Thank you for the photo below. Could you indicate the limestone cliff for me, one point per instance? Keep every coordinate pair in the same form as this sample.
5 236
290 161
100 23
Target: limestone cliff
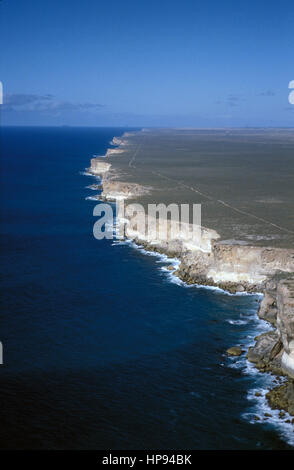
99 167
285 323
116 190
235 267
205 258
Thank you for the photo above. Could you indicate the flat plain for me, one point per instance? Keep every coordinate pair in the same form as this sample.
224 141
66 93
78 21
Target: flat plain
243 178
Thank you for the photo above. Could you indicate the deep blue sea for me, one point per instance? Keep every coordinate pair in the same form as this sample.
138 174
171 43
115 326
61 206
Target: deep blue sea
103 349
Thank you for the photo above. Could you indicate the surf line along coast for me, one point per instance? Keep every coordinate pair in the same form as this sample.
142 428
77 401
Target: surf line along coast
212 260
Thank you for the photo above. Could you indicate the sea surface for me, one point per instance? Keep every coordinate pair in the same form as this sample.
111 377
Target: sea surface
103 347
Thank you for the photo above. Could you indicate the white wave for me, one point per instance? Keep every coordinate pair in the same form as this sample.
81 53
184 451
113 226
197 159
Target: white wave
87 173
91 187
267 416
91 198
176 280
238 322
165 259
263 383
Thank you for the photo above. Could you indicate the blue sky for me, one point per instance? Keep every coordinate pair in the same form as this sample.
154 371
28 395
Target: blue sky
147 63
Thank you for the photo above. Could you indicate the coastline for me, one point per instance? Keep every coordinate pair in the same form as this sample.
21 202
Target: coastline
232 268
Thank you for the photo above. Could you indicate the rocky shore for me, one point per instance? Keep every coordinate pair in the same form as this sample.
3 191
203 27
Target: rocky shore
273 351
229 266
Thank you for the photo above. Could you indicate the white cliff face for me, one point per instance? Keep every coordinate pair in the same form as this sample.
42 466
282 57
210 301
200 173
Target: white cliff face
253 265
99 167
117 190
170 235
120 141
233 263
111 152
285 322
234 277
288 363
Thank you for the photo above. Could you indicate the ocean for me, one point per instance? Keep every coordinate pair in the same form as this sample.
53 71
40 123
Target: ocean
103 348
